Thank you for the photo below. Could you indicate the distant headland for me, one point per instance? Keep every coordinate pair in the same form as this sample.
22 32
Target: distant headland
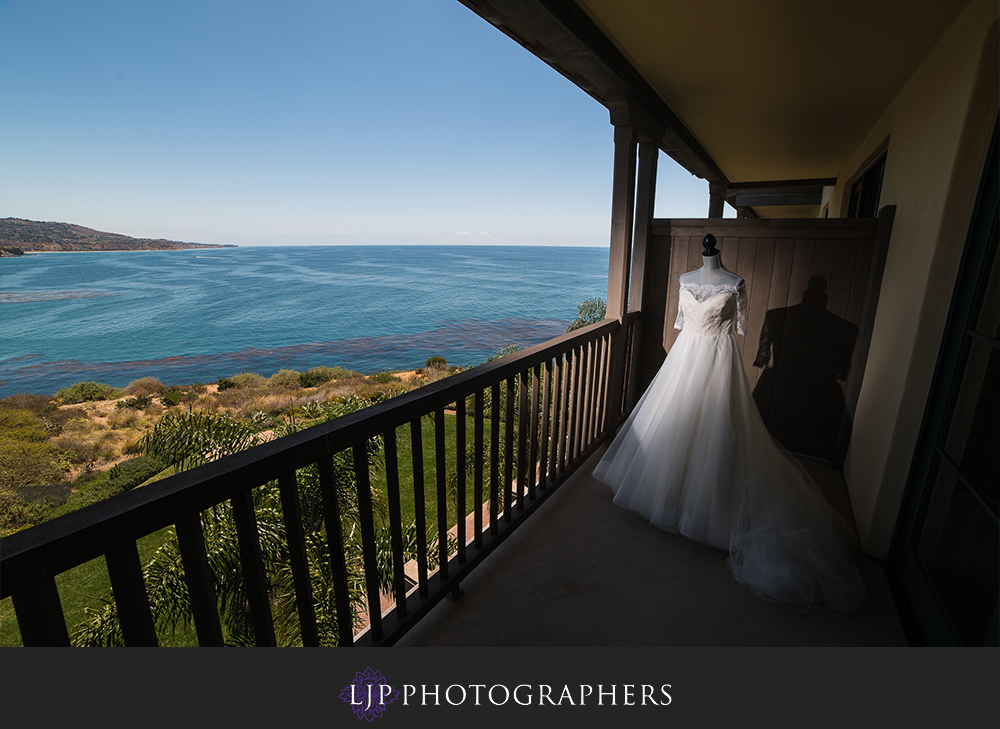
18 236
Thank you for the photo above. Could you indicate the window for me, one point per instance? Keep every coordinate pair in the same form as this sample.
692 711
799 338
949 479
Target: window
866 190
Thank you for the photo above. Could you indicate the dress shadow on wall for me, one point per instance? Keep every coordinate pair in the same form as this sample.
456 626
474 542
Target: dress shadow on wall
805 353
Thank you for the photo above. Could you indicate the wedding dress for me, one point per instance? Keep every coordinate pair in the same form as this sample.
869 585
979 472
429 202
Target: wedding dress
695 457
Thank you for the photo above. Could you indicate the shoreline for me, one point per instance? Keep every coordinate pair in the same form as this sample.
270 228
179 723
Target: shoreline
465 343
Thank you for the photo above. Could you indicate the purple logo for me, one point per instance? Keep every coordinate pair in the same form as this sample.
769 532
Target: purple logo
369 694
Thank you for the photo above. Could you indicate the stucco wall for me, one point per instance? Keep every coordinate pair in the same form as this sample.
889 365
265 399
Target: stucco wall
938 129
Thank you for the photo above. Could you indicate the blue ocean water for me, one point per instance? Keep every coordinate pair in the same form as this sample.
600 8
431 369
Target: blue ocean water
198 315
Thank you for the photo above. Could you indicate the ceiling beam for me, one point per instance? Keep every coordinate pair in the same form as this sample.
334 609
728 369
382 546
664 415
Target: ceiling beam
739 198
766 184
563 35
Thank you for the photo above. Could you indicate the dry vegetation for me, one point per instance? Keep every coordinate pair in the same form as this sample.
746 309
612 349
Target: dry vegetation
51 447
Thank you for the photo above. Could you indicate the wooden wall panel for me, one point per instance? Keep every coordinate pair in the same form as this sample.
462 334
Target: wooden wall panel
806 284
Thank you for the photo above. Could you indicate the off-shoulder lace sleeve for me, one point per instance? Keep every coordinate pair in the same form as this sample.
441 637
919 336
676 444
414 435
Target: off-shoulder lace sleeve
741 308
679 321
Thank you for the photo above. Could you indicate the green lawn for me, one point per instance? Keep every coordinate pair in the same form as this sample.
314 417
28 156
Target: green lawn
404 448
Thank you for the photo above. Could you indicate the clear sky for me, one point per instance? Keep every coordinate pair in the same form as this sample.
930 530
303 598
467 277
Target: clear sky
301 122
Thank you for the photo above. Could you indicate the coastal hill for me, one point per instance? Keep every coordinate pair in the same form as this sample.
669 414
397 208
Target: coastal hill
18 236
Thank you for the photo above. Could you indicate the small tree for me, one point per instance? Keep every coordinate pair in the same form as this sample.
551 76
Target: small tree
589 312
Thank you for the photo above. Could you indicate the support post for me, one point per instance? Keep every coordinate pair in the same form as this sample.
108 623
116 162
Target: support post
716 198
640 283
622 216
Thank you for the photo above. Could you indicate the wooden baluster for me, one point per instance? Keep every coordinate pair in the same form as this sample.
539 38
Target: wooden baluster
335 545
419 503
567 371
509 452
477 467
494 456
587 391
198 576
40 615
442 493
533 455
367 520
256 586
395 521
546 420
129 590
522 455
460 448
291 511
574 441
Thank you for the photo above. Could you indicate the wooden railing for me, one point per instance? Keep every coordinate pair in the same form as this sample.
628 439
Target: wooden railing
556 398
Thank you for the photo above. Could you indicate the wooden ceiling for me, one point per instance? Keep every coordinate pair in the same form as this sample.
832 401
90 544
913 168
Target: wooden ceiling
770 90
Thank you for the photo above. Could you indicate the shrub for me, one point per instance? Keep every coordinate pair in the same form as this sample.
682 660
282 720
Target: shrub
36 404
383 378
316 376
118 479
284 378
129 474
144 386
226 384
171 398
88 392
589 312
436 361
62 416
17 514
139 402
26 463
21 425
79 450
248 380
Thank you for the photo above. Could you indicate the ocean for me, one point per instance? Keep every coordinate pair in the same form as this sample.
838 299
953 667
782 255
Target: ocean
198 315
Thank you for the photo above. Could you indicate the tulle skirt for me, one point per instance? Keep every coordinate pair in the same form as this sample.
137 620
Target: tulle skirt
695 458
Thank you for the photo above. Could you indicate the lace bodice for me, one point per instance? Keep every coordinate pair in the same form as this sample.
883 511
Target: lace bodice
712 309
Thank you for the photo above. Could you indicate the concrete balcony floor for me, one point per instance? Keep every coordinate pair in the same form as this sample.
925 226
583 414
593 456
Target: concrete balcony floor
583 572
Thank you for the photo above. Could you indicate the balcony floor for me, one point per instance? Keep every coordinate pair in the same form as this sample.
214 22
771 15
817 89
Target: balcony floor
582 572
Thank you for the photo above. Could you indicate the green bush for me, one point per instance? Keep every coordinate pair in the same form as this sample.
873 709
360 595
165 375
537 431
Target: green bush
436 361
87 392
139 402
248 380
171 398
316 376
26 463
284 378
129 474
589 312
383 378
225 383
21 425
144 386
17 514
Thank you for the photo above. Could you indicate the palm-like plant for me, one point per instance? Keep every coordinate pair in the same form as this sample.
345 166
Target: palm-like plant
191 439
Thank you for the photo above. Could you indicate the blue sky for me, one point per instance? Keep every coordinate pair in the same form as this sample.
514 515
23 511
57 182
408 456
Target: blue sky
301 122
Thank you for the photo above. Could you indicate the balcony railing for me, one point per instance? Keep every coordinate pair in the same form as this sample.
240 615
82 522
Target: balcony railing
564 396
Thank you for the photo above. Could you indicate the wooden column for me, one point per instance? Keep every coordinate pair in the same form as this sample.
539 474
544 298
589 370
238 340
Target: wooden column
622 215
640 283
716 198
622 208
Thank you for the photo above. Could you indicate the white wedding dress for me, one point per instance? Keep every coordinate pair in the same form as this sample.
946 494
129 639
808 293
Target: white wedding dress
694 457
